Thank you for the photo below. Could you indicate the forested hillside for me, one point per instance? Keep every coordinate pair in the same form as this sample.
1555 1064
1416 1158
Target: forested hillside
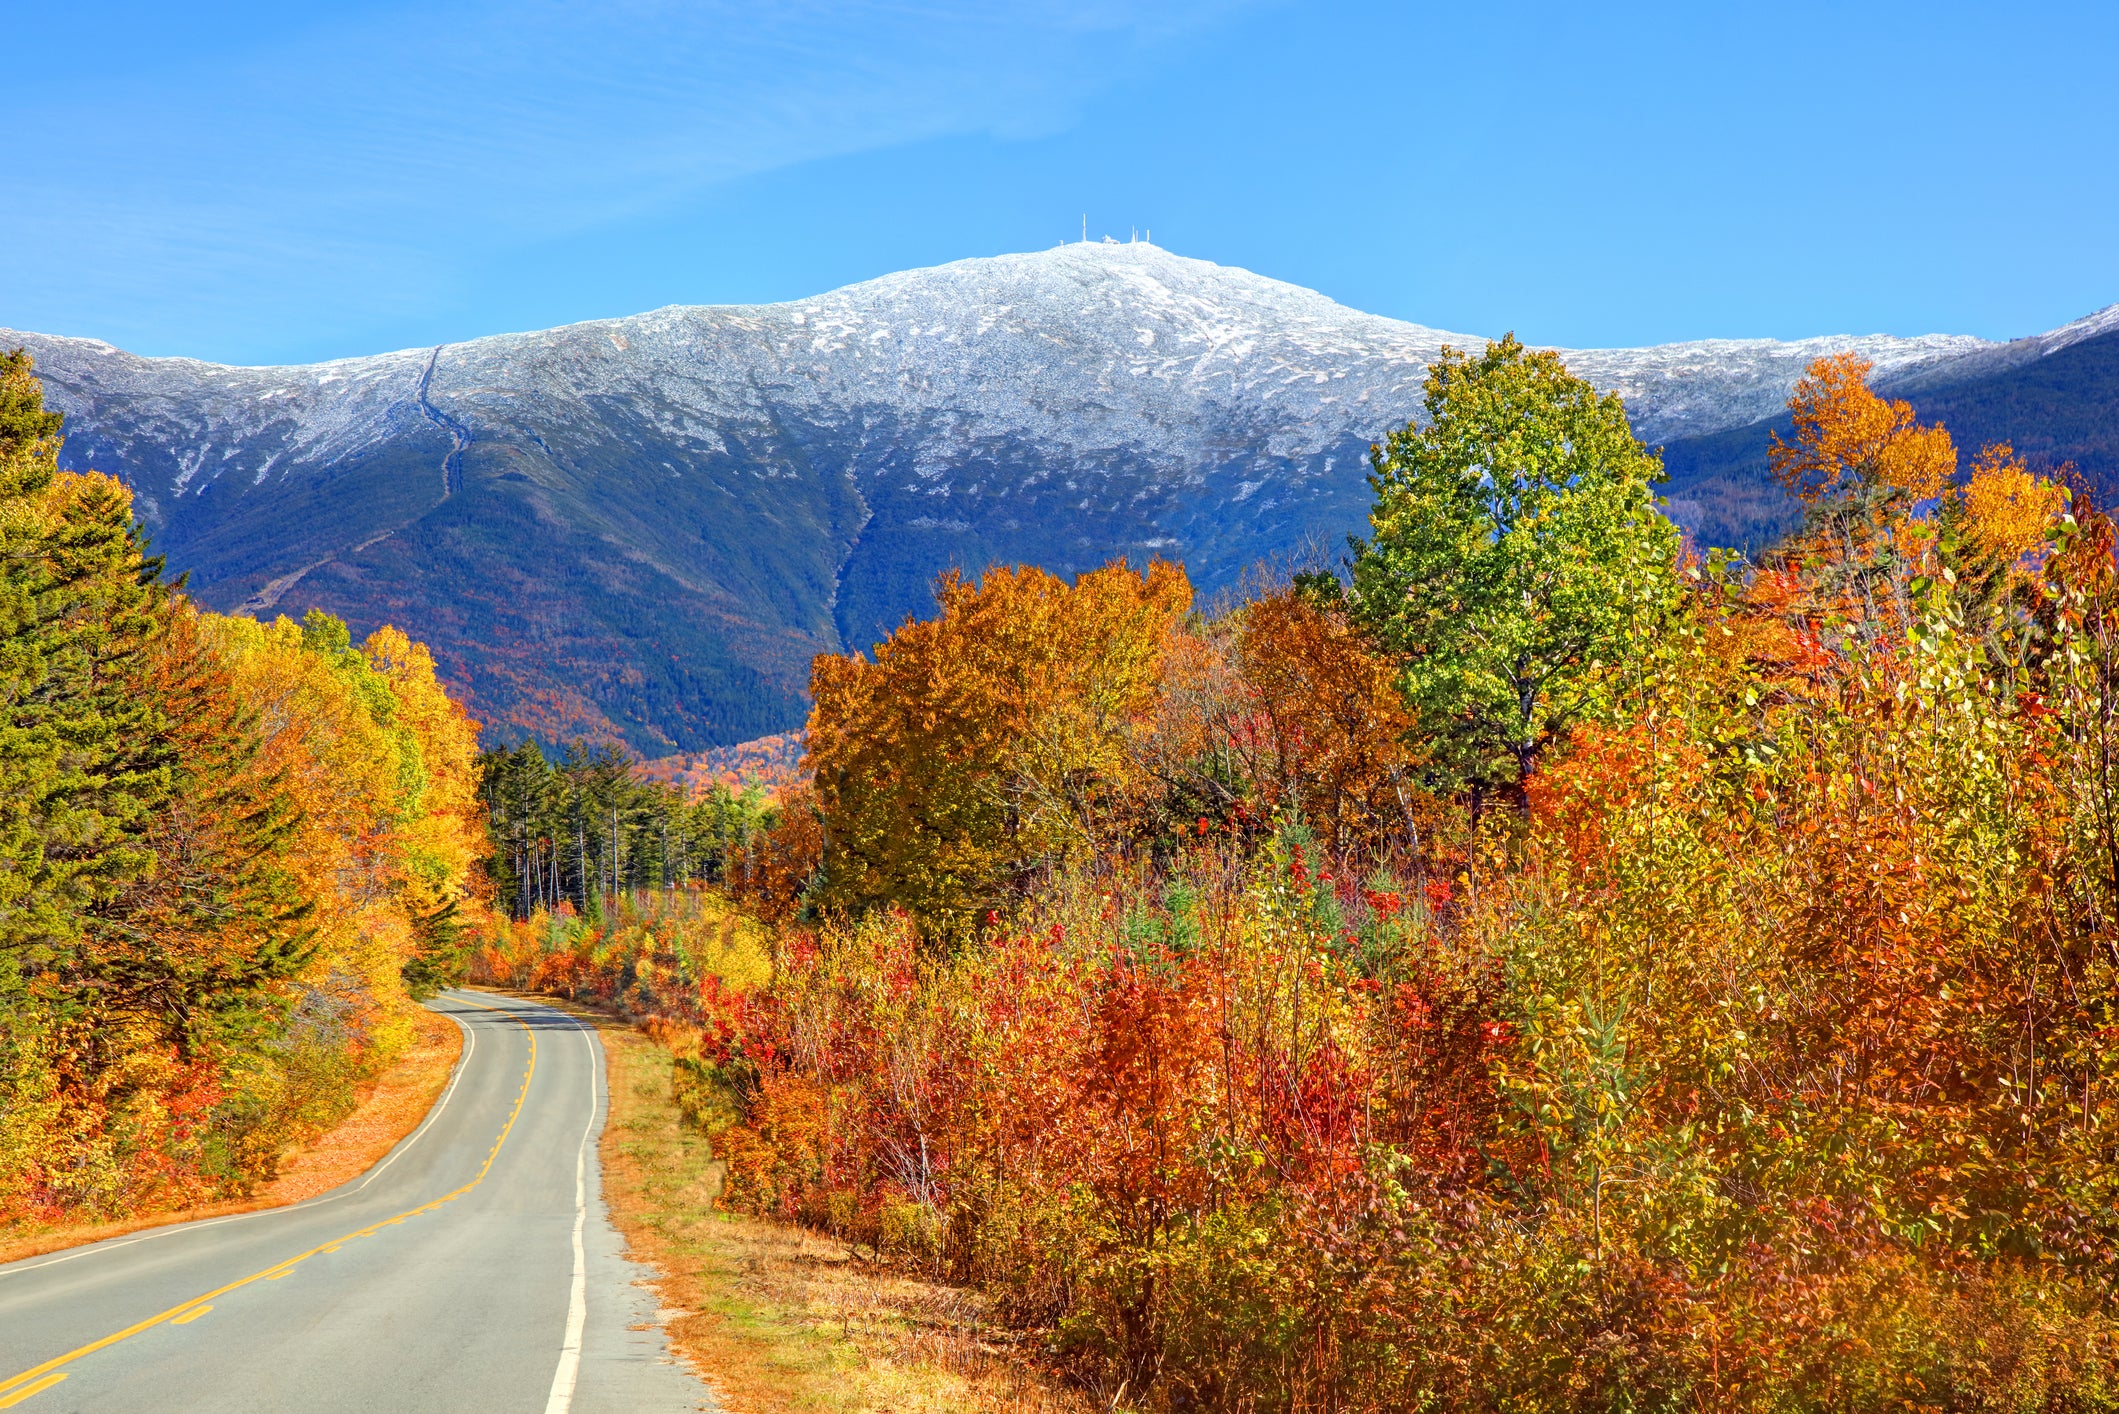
643 529
1547 970
231 855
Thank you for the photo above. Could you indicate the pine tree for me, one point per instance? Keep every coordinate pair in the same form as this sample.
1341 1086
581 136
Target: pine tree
80 760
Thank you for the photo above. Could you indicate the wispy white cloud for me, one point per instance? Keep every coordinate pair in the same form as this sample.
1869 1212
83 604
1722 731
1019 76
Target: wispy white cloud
354 164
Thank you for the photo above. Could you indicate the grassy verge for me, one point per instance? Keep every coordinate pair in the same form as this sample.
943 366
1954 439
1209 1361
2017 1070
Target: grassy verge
390 1107
778 1320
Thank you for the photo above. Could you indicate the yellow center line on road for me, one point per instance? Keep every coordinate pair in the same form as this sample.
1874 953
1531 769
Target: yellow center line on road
9 1401
41 1377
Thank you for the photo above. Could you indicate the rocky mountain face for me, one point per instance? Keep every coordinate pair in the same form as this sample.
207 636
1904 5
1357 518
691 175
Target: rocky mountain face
646 527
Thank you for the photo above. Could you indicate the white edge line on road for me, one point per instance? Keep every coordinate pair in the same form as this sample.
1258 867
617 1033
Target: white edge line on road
561 1399
463 1063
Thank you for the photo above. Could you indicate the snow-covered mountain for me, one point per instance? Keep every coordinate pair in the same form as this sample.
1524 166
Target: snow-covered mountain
1094 349
647 525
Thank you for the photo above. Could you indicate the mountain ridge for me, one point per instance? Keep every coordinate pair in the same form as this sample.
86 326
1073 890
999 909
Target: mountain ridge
643 527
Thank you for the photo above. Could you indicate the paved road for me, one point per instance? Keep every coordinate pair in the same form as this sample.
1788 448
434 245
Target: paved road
473 1269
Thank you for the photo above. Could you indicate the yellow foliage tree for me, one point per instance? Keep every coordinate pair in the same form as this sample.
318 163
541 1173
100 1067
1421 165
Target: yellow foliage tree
382 767
2007 509
989 741
1846 436
440 841
1861 464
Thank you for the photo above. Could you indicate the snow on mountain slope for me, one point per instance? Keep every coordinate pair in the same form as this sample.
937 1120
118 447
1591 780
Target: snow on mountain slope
209 420
1092 348
1687 390
739 487
1992 359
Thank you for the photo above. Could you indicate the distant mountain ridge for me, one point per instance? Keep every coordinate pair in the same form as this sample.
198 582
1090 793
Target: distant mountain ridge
645 527
2054 397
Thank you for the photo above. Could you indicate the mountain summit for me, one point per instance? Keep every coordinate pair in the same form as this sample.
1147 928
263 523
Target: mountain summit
645 527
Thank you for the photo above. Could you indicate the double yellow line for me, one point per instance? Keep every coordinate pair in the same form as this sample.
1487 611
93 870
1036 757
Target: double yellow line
44 1376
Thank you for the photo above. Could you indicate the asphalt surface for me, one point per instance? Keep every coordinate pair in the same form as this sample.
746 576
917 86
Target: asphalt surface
474 1268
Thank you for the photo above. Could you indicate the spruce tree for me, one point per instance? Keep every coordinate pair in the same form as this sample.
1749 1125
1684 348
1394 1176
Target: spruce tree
80 764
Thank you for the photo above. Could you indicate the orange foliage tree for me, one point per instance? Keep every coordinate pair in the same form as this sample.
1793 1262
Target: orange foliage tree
988 742
1859 464
1338 735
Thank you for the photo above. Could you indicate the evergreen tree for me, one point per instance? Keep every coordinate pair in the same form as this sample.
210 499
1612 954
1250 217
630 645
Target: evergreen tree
81 762
575 830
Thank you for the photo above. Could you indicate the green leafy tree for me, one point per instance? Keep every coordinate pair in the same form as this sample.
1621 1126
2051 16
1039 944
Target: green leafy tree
1516 557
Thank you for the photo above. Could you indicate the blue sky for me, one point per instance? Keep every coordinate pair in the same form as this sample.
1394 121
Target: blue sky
272 182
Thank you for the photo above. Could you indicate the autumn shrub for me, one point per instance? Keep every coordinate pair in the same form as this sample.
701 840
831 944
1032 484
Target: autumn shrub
664 956
1242 1135
1759 1058
1624 1132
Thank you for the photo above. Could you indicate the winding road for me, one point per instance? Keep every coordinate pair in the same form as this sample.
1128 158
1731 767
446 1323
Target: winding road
474 1268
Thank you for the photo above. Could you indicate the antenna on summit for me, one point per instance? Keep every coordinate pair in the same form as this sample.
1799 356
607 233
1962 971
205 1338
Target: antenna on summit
1085 228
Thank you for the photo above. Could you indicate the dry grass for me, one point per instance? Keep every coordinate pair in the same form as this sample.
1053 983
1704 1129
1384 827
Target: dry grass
389 1107
782 1321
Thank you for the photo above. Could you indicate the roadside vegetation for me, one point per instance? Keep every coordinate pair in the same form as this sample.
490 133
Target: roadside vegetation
777 1318
1543 967
231 855
391 1103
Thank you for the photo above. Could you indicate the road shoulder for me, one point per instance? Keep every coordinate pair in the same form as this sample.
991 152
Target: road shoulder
775 1319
